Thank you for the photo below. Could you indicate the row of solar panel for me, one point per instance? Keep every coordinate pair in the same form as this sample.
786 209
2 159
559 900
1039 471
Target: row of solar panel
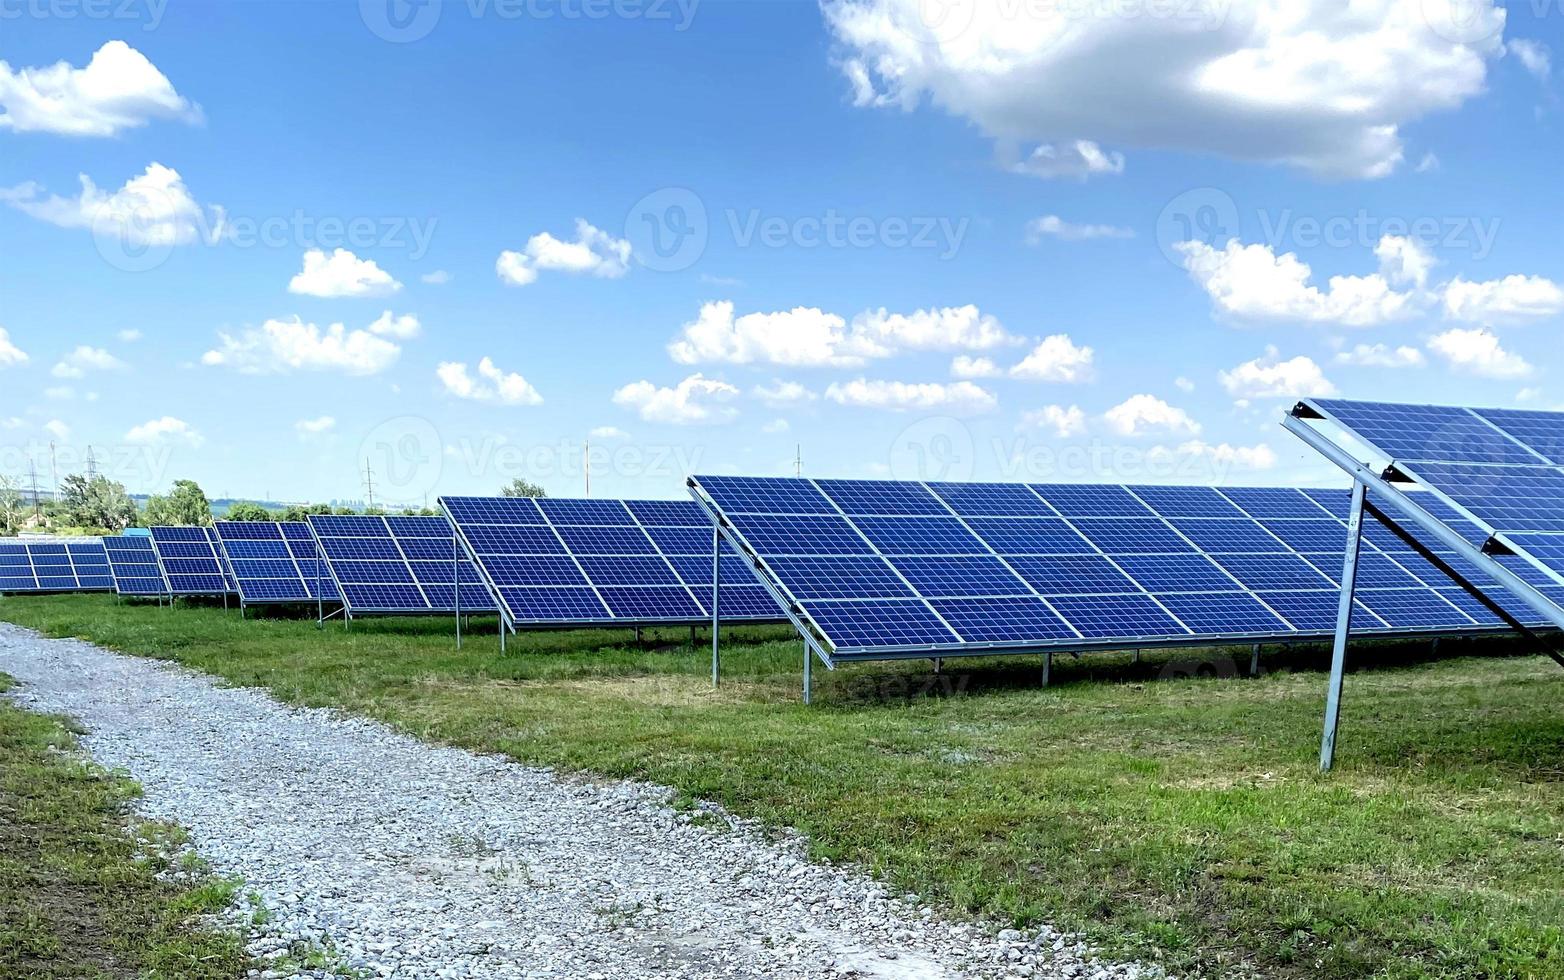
54 566
876 564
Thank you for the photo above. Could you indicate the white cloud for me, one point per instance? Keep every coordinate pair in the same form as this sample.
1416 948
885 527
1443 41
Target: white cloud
60 393
1478 352
314 427
1404 261
58 429
1053 226
810 337
78 362
1428 164
695 400
438 277
1183 384
1079 159
1063 422
1143 414
10 354
964 366
280 346
491 384
164 430
1252 282
961 397
775 426
594 252
129 336
341 274
1227 456
1271 377
609 432
1056 358
1322 87
781 392
404 327
1511 299
1381 355
118 90
153 209
1534 56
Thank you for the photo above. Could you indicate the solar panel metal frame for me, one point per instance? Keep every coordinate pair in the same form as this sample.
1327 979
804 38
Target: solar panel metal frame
152 560
1399 470
217 556
633 521
26 546
830 653
310 584
351 610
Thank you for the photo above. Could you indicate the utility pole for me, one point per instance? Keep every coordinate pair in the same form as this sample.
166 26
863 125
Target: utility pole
54 472
369 486
32 470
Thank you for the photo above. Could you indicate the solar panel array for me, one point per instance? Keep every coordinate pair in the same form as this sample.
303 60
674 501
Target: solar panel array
584 562
57 565
134 566
397 565
192 560
885 566
274 562
1502 468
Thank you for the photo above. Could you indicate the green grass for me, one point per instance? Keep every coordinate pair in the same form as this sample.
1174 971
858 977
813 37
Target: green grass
80 892
1182 819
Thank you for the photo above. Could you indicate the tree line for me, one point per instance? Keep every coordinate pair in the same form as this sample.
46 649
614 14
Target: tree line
99 505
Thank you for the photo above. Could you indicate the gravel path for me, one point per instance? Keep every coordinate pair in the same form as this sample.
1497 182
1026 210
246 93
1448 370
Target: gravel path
414 860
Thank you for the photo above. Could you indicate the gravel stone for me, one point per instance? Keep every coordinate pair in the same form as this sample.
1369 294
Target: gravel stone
411 860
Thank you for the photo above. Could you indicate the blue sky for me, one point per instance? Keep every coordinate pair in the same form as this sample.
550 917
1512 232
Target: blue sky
1090 246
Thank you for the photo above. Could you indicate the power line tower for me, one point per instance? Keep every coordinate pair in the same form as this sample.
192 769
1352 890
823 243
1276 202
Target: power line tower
798 461
586 464
369 486
32 471
92 466
54 472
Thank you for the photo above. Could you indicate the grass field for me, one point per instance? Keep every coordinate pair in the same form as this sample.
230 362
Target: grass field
80 895
1180 818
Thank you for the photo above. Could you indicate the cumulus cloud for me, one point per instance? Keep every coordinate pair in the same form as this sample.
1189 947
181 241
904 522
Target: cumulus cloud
1056 358
129 335
153 209
960 397
1225 456
1508 300
404 327
810 337
1060 420
1270 376
695 400
10 354
593 253
1053 226
1534 56
1323 87
608 432
438 277
318 426
489 384
119 89
282 346
58 429
966 366
1252 282
1382 356
78 362
1478 352
164 430
775 426
1147 414
781 392
341 274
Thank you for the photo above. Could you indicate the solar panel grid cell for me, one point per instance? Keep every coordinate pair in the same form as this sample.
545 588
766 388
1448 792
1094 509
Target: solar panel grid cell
397 565
192 562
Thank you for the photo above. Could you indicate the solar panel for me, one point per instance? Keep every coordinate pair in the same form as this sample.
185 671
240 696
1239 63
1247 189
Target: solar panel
192 560
873 569
390 566
554 561
54 565
274 562
133 565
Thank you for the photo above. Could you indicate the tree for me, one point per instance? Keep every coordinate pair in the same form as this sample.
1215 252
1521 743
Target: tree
186 503
98 502
11 509
522 488
301 512
248 512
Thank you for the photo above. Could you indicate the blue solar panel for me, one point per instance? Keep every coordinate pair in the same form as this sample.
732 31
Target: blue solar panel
1506 498
275 562
1541 432
133 565
590 562
54 565
192 560
397 565
1116 569
1409 433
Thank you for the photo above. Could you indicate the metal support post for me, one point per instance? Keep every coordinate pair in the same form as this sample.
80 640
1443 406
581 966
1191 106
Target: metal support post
716 602
1048 668
1338 663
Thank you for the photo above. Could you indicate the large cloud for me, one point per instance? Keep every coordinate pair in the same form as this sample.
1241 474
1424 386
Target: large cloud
1325 86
